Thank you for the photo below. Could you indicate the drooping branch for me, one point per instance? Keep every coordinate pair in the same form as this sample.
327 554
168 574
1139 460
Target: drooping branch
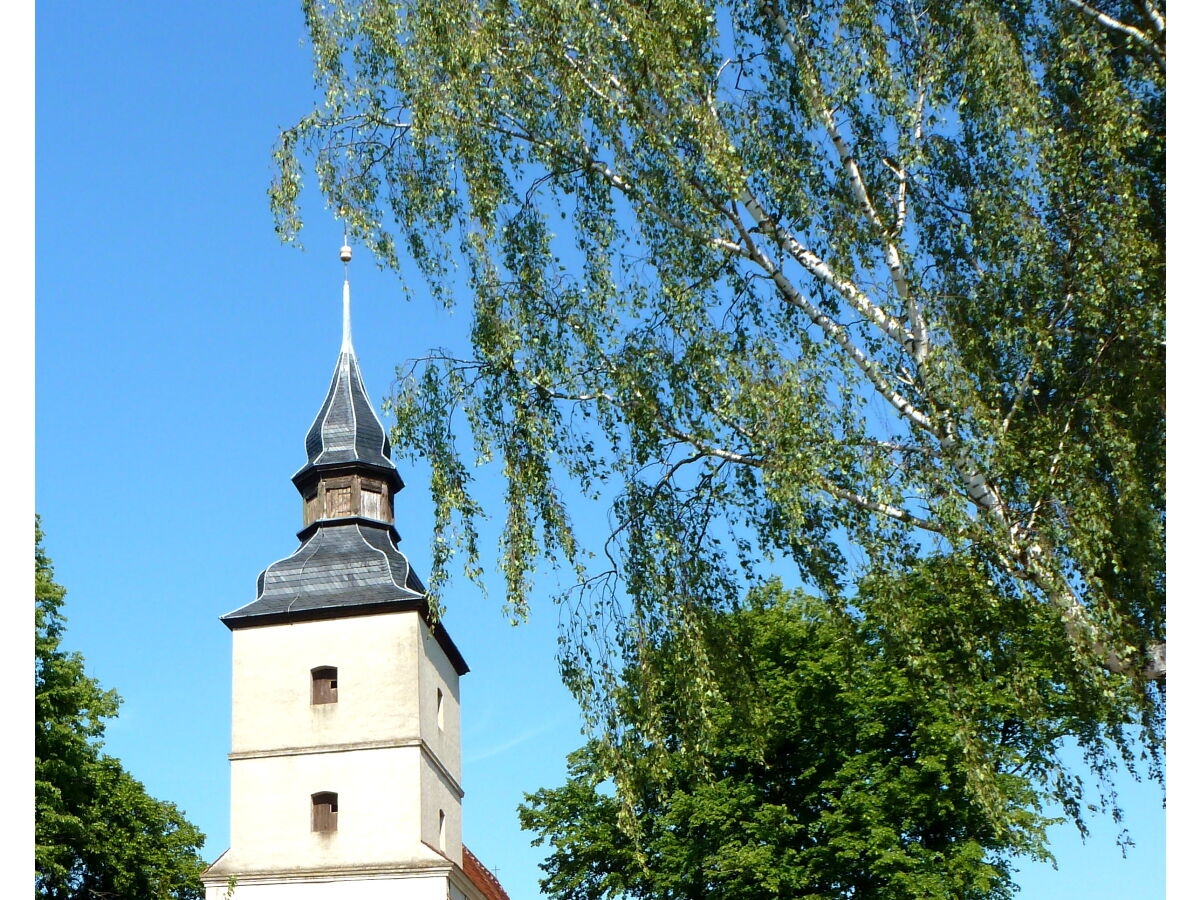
589 159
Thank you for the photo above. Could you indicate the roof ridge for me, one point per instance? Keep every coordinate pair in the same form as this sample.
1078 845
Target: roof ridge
481 876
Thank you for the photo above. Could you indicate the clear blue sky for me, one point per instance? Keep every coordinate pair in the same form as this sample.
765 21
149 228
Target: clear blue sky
181 354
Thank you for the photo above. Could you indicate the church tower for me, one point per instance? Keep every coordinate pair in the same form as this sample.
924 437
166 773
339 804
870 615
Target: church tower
345 770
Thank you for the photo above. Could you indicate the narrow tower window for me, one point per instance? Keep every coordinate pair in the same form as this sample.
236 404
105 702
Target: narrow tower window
441 829
441 715
324 811
324 685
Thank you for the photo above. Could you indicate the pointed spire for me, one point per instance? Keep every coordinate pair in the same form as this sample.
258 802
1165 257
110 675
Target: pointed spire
347 429
346 345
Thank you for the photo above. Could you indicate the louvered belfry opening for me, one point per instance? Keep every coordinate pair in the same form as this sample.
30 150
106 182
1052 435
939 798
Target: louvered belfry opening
324 685
324 811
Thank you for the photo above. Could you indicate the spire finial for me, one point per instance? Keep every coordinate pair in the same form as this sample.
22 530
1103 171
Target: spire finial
345 255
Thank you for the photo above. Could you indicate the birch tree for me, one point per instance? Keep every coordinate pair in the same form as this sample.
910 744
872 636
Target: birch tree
838 286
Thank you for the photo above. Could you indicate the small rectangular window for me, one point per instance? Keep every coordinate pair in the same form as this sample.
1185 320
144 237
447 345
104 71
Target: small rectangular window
324 685
441 715
324 811
441 829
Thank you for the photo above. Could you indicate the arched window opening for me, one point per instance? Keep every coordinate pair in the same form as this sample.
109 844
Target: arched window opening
324 685
324 811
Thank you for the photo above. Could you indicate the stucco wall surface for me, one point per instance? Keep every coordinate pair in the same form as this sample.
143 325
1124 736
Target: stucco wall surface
381 747
378 682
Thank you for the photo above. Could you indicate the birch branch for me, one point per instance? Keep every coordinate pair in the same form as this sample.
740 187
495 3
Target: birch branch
893 447
884 509
1154 14
888 324
875 506
1050 472
574 64
1022 387
980 492
589 160
918 341
707 449
624 186
1081 629
834 331
916 320
1136 33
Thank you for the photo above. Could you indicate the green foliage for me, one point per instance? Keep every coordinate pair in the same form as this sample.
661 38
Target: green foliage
842 782
98 833
838 286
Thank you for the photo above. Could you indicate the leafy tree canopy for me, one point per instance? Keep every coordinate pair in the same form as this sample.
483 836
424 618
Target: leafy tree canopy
839 285
98 833
843 782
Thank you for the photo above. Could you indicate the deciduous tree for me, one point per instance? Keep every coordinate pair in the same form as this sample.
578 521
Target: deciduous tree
842 782
97 833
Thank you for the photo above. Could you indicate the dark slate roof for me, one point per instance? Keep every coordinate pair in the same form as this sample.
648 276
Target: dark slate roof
343 567
346 430
343 564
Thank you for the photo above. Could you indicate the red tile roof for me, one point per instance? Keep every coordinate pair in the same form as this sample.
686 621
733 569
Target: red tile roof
481 877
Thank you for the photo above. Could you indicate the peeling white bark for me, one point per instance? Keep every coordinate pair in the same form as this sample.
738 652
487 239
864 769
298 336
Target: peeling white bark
838 335
884 509
1155 15
1083 631
889 325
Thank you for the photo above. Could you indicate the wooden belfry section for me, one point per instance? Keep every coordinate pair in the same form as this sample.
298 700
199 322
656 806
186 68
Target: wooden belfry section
335 496
349 470
345 767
